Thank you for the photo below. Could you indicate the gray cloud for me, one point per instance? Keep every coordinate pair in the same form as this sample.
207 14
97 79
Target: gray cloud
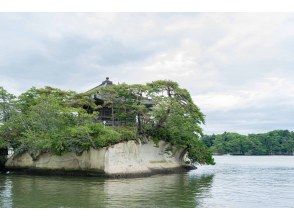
237 66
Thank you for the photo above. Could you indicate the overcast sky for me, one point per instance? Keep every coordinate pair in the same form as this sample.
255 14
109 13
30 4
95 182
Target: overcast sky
238 67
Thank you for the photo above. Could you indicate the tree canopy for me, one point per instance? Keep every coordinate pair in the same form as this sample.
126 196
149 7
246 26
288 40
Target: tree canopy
6 105
173 116
50 119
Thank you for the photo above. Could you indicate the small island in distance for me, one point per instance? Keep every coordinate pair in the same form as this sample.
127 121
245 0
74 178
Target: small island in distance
277 142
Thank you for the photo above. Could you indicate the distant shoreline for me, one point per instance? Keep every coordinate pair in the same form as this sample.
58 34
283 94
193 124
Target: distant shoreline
277 142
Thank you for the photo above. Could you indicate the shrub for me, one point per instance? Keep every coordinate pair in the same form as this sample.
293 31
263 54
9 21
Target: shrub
48 125
53 120
126 133
103 136
78 139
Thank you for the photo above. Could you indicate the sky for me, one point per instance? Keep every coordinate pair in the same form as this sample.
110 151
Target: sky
238 67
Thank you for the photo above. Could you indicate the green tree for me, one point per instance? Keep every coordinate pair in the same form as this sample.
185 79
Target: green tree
278 142
177 119
50 124
7 105
49 119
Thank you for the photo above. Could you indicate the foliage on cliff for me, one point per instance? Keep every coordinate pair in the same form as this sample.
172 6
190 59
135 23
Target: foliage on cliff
53 120
50 119
173 116
278 142
6 105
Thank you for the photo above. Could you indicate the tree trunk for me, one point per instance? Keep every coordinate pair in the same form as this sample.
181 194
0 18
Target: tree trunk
112 115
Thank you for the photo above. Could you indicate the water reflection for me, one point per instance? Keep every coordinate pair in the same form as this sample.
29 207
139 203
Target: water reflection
5 192
157 191
235 181
178 190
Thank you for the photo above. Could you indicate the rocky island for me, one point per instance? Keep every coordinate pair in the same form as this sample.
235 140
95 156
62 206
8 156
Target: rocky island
119 160
114 130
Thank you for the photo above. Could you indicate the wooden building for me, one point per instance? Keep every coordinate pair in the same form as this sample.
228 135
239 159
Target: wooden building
106 115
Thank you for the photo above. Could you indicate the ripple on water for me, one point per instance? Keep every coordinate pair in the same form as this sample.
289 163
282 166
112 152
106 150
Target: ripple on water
235 181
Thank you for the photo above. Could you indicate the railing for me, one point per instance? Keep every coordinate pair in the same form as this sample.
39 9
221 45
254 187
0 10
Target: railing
115 122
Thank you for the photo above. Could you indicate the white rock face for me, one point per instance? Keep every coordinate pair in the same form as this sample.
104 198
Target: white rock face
126 158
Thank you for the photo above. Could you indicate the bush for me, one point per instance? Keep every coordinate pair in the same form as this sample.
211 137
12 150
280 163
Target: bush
78 139
53 120
104 136
48 125
126 133
201 155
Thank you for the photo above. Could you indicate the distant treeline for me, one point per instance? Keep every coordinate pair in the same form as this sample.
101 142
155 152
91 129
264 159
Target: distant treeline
277 142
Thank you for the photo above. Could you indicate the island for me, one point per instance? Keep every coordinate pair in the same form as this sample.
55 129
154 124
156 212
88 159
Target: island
112 129
277 142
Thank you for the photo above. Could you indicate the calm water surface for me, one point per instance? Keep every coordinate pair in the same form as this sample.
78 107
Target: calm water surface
236 181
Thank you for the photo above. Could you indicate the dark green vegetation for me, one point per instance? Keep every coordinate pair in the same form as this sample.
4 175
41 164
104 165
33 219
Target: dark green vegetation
50 119
278 142
53 120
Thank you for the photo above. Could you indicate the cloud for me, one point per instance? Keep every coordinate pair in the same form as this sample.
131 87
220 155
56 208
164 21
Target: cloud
237 66
265 105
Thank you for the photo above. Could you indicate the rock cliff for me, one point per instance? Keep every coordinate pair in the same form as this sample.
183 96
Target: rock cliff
122 159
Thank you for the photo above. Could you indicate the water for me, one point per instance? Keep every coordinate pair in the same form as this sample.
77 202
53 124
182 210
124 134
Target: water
236 181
